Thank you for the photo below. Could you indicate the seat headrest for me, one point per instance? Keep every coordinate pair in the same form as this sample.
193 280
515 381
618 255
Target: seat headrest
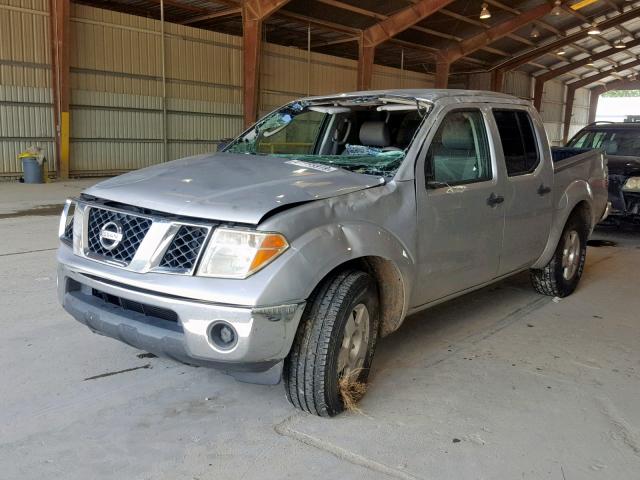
456 134
375 134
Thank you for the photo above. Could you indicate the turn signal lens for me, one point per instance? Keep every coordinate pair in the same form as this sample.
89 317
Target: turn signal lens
233 253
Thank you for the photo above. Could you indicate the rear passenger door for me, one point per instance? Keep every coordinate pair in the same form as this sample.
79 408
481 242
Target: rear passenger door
459 200
528 187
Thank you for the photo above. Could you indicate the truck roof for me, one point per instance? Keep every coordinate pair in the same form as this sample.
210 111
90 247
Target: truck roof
612 125
433 94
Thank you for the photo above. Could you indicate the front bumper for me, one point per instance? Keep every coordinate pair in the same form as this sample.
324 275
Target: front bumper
264 335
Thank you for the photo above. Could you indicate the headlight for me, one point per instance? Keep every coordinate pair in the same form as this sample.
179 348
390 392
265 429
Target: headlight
233 253
632 184
65 227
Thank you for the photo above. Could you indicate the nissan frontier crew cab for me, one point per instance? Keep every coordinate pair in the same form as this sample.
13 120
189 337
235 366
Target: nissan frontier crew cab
319 229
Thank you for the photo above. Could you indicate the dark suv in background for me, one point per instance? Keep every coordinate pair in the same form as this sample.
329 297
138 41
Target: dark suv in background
621 143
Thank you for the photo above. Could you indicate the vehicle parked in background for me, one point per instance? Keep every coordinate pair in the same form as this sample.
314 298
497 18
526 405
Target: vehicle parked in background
621 143
320 228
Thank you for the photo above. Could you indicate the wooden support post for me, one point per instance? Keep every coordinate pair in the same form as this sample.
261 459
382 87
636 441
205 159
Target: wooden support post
497 80
442 74
568 113
388 28
366 56
60 36
254 13
538 92
252 42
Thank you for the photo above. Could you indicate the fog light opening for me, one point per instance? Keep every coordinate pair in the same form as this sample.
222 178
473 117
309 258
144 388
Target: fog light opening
223 336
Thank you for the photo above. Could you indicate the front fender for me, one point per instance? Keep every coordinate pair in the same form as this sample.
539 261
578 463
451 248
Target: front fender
577 191
322 249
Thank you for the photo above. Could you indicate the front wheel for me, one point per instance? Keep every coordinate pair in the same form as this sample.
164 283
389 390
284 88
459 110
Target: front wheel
334 342
560 277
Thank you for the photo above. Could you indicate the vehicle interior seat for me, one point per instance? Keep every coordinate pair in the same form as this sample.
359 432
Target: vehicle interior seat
407 129
455 158
376 134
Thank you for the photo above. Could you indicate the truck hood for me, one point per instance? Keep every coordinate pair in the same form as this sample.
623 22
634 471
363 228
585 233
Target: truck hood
623 165
230 187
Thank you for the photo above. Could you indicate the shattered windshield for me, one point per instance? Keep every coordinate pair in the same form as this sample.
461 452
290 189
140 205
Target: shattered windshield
368 135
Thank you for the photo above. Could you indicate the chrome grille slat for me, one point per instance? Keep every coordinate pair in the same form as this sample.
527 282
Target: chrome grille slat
184 249
147 243
134 229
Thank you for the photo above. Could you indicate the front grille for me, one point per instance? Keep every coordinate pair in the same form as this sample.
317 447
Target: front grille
185 247
134 229
131 306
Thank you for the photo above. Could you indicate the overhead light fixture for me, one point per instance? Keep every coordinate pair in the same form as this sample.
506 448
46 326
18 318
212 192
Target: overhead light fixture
557 8
485 13
619 44
535 33
562 51
594 30
590 63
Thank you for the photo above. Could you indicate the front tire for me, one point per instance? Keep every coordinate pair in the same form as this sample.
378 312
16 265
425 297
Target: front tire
560 277
336 337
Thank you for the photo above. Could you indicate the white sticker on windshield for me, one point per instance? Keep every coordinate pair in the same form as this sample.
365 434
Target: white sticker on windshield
314 166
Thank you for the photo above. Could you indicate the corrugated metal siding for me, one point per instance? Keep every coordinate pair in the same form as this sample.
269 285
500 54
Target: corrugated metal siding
518 84
117 104
26 113
580 116
552 110
288 73
479 81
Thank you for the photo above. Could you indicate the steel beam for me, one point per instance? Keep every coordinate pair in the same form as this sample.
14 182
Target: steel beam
569 39
60 36
496 32
442 74
366 56
254 12
573 86
389 28
229 12
471 44
545 77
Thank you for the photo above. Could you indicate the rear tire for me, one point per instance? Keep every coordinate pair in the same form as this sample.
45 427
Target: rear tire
337 334
560 277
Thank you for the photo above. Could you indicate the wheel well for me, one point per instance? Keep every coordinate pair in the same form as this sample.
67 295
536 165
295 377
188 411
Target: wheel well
583 211
391 291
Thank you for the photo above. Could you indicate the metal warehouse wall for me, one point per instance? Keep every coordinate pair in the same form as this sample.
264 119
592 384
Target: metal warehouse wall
288 73
26 106
117 106
116 78
520 85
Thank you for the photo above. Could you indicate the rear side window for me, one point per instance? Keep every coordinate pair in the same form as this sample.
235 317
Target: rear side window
518 141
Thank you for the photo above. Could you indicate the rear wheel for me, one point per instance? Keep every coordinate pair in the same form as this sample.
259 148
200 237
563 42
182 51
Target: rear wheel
561 275
335 340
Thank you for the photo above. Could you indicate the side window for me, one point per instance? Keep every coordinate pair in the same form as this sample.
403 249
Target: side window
459 151
518 141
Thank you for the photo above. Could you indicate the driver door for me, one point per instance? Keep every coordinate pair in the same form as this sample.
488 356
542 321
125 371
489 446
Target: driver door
460 206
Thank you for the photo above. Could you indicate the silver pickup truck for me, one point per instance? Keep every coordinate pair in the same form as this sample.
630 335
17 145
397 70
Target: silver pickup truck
318 230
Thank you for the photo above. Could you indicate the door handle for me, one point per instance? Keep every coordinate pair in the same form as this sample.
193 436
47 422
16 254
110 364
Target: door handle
494 199
542 190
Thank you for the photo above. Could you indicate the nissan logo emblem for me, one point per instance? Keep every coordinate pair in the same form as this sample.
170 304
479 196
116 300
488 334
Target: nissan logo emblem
110 235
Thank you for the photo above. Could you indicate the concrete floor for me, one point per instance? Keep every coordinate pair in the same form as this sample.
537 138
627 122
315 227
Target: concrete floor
500 384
